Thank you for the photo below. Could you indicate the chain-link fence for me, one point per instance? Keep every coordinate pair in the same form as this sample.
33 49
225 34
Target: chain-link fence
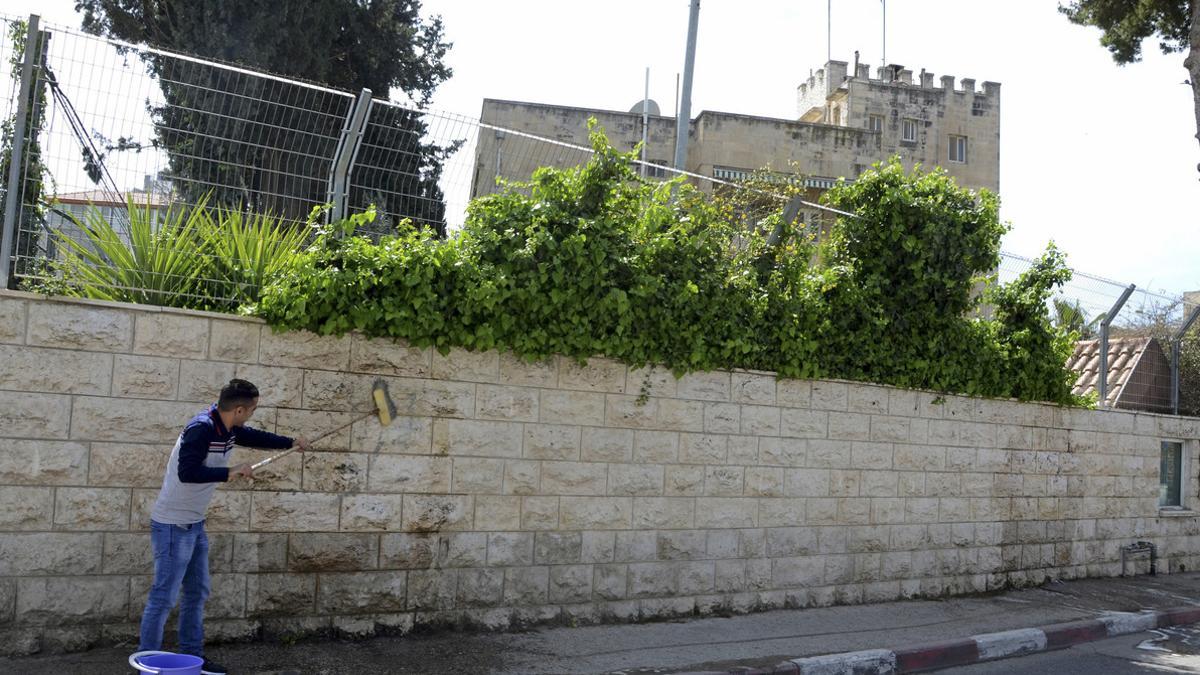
93 125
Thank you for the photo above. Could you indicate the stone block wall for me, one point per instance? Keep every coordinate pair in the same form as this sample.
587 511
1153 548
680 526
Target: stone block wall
508 493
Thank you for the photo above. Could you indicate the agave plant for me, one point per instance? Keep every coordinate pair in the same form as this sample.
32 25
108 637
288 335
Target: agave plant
248 250
160 262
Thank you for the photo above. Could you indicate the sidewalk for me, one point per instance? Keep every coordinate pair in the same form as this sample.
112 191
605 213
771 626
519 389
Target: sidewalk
715 644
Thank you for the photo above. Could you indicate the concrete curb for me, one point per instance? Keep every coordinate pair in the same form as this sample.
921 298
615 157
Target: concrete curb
977 648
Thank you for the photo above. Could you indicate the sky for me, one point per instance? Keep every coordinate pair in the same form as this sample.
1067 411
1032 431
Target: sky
1098 157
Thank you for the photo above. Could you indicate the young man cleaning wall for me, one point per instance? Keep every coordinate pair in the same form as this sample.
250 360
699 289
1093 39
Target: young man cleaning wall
198 462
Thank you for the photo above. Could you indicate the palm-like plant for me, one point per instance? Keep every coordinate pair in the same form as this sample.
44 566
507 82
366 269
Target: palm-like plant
1073 317
247 250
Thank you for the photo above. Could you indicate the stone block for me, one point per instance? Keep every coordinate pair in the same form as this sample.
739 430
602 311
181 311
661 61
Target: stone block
408 551
849 426
829 395
337 391
362 592
572 407
279 386
879 484
508 549
609 582
84 327
179 335
499 402
127 464
806 482
12 320
236 341
821 511
752 388
570 583
468 366
332 552
126 553
597 547
539 513
437 513
526 585
919 458
705 386
335 471
871 456
71 600
288 594
480 588
57 371
833 454
384 356
201 381
635 479
603 375
42 462
601 513
551 441
724 512
798 571
684 481
682 545
724 481
255 553
482 439
91 509
844 483
46 553
304 350
865 398
573 478
656 413
474 475
229 511
805 423
663 512
652 579
111 419
652 381
636 546
372 513
432 589
780 512
522 477
294 511
782 451
722 418
704 449
404 473
462 549
606 445
656 446
518 371
35 415
890 429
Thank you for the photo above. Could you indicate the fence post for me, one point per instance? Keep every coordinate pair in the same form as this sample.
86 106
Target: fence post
13 193
344 156
1112 313
1176 353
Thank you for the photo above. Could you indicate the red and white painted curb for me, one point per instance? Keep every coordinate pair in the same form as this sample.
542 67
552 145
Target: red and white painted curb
978 648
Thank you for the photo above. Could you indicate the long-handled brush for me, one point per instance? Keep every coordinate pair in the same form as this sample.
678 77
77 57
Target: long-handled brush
384 408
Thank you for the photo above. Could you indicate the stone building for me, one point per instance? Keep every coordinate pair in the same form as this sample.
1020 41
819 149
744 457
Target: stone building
846 120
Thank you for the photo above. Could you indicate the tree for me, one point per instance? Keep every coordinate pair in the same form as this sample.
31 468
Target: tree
1072 317
1127 23
276 164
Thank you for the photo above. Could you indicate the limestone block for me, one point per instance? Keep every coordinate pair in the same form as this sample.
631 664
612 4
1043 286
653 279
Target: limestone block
652 579
764 481
510 549
294 511
954 509
605 445
793 393
111 419
722 418
636 546
230 511
405 473
887 510
922 510
405 435
228 598
91 328
91 509
597 547
760 420
910 484
280 594
829 395
475 475
571 407
539 513
656 413
255 553
332 552
304 350
526 585
871 455
57 371
601 513
437 513
780 512
35 415
128 464
943 484
463 549
384 356
682 545
844 483
408 551
573 478
839 569
285 387
866 398
663 512
12 320
920 457
201 381
805 423
798 571
753 388
879 483
890 429
236 341
604 375
696 578
742 450
480 588
515 370
724 481
480 439
791 541
635 479
821 511
782 451
497 402
71 600
469 366
609 582
522 477
829 454
551 441
42 462
329 391
683 481
432 589
126 553
849 426
723 512
705 386
335 471
806 482
494 513
656 446
652 381
43 553
702 449
171 334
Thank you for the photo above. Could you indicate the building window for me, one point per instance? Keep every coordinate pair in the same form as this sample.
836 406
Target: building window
910 131
655 168
730 174
1170 475
875 122
958 149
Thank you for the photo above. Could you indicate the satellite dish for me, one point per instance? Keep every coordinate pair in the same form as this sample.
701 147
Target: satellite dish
637 108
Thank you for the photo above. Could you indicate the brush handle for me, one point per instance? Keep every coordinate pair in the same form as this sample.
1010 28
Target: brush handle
285 453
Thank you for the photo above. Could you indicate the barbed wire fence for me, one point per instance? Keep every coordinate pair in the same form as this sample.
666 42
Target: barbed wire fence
94 124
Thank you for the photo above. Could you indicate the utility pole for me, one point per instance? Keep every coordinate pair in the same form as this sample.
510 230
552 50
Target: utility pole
684 119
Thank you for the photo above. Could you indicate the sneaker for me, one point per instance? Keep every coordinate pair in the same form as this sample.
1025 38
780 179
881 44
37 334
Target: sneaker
210 668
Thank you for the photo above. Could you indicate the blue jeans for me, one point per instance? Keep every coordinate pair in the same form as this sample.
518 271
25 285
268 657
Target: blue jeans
180 563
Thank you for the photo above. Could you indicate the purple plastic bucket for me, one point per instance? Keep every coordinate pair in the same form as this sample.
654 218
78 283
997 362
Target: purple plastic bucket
166 663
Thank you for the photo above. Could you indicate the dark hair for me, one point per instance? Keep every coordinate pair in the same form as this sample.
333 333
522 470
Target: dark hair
237 392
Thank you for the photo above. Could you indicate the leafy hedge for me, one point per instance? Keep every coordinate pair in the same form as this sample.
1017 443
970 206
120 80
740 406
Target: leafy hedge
592 261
